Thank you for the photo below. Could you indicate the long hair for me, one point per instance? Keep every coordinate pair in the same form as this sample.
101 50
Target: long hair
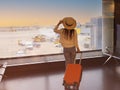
68 34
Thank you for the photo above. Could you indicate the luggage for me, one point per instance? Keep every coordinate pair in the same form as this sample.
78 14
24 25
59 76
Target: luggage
72 77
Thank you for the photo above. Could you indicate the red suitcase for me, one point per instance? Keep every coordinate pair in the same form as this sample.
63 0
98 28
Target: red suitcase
72 76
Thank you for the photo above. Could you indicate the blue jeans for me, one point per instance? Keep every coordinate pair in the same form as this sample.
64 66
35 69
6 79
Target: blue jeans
69 54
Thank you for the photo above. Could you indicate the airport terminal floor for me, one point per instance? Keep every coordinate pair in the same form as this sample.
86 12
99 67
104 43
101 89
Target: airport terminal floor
49 76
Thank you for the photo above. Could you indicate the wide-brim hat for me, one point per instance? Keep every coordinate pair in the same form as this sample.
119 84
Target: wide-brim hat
69 23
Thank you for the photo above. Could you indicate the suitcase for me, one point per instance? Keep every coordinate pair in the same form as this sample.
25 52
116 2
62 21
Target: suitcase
72 77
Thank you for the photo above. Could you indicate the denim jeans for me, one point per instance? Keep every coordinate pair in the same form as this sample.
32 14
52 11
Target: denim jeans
69 54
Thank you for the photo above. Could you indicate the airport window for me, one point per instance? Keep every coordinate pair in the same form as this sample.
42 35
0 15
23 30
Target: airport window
26 27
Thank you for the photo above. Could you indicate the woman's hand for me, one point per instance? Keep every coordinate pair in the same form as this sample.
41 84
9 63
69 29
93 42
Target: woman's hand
78 50
60 22
56 27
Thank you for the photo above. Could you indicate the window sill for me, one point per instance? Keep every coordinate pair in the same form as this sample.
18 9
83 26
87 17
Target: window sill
48 58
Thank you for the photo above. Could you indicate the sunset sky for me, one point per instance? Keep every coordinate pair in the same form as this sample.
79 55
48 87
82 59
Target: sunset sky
46 12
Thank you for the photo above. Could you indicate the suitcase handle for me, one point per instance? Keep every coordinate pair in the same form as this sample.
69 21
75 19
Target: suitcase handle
80 59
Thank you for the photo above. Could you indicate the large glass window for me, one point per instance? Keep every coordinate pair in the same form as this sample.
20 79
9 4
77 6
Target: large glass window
26 26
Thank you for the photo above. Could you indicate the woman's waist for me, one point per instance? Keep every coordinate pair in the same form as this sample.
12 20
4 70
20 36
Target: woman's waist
67 45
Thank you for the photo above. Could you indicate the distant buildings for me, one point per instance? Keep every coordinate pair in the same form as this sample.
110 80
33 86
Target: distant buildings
96 33
14 29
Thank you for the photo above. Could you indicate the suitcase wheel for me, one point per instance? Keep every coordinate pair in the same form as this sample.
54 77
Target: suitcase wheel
74 86
71 87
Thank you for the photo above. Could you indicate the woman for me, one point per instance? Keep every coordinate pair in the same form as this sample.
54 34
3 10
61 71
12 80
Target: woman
68 38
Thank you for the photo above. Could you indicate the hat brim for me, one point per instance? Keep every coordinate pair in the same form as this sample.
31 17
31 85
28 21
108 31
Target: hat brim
71 26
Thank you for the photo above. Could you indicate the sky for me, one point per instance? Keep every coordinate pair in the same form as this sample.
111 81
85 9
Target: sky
46 12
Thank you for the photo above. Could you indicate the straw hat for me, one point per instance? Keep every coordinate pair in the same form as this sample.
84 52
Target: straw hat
69 23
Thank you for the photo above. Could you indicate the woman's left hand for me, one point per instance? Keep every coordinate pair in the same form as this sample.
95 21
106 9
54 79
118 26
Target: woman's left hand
78 50
60 22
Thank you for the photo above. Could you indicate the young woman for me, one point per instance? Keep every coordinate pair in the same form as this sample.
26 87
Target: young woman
68 38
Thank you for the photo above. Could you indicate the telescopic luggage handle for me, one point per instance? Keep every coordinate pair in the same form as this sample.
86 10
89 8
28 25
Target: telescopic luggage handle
80 59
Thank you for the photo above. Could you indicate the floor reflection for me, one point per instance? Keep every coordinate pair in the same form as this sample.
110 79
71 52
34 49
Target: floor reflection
100 78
